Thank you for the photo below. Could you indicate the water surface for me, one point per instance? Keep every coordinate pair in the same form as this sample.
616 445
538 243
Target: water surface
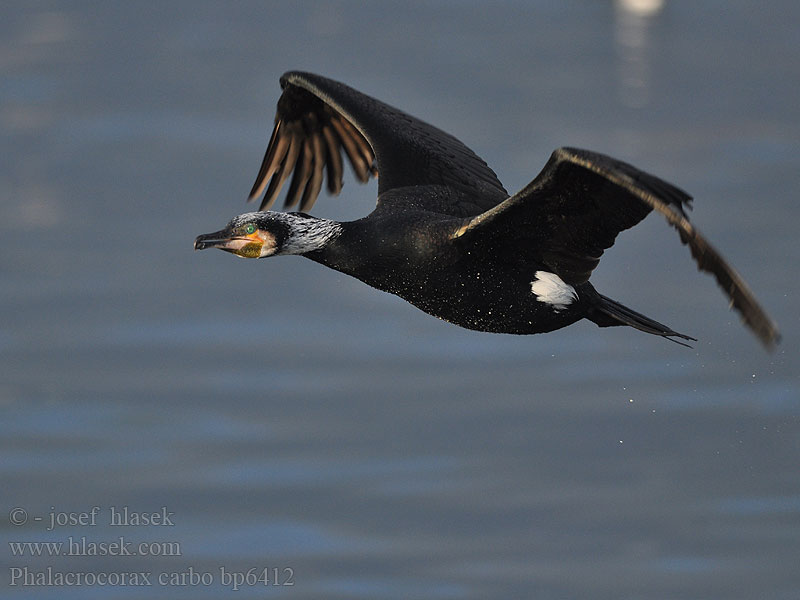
292 418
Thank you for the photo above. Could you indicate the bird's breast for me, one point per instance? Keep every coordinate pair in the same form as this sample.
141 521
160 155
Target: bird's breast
483 296
468 287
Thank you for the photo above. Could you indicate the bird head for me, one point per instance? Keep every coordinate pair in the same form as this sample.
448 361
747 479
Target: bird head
262 234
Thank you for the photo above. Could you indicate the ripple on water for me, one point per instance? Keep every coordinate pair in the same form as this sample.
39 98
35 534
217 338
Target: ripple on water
766 505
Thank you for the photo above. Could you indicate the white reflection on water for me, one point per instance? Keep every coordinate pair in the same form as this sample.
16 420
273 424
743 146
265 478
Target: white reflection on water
633 19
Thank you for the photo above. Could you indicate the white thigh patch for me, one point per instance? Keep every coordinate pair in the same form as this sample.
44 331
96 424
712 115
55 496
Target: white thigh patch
550 288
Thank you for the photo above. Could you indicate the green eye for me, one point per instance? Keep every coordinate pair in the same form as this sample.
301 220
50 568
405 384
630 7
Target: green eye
250 228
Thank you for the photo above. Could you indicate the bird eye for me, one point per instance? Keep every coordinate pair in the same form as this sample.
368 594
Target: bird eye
250 228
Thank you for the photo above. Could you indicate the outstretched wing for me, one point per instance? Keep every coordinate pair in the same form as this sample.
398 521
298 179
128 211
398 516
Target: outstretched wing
318 118
573 211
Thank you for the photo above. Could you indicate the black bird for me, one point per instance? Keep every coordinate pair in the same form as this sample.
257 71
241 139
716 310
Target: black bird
445 235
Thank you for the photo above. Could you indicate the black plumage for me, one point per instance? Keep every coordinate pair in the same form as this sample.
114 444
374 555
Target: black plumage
445 235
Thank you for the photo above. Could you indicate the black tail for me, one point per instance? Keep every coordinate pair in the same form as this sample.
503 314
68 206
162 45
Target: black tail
606 312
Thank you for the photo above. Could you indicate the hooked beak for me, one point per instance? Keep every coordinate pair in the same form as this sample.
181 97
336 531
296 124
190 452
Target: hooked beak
244 246
218 239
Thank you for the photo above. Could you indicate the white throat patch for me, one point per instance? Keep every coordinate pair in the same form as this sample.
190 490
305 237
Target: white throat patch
551 289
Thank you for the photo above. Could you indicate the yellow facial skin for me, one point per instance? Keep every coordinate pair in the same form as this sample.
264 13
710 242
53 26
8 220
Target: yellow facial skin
251 246
254 244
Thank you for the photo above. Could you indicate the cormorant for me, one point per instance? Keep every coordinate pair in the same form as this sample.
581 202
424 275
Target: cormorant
445 235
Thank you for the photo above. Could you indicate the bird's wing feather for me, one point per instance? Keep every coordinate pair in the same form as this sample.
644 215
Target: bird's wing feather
318 118
573 211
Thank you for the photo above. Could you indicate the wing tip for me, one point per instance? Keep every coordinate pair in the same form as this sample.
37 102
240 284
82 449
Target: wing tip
254 193
766 331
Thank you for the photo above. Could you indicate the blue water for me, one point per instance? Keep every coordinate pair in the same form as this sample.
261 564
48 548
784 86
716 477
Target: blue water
294 419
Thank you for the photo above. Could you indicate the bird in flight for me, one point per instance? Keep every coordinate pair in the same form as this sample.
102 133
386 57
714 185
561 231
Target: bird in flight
445 235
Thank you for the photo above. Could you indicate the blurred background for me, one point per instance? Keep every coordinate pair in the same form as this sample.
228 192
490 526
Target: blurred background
294 419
